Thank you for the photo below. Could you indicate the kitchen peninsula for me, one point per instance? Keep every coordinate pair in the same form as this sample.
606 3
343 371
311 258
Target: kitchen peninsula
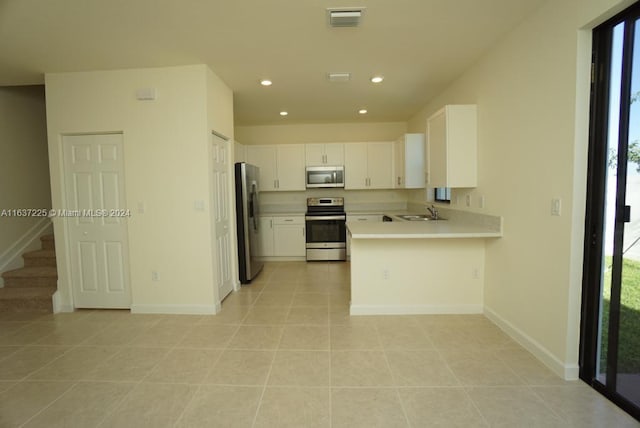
420 267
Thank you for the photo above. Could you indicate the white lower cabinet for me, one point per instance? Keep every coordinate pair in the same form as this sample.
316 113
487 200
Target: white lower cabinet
282 236
266 237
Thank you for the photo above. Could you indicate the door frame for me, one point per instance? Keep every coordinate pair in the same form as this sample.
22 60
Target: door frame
231 208
65 300
595 208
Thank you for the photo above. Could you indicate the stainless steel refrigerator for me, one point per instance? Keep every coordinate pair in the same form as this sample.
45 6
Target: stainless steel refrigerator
247 191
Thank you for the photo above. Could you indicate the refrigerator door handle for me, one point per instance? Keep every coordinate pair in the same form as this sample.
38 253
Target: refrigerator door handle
253 211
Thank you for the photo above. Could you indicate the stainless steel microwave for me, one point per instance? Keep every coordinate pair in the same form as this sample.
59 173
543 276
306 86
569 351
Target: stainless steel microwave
325 176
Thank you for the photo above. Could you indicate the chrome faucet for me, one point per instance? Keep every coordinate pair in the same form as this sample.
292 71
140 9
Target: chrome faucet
434 212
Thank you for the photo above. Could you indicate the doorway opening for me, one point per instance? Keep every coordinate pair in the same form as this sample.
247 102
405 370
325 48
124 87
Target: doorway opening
610 334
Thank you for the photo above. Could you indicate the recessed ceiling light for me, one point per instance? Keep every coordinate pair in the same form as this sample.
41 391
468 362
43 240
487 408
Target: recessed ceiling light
266 82
284 113
377 79
362 111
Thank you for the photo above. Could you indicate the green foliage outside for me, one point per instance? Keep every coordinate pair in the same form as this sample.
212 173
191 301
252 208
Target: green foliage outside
629 340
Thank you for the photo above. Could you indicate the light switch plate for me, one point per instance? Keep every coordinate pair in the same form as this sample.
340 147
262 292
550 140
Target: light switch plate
556 206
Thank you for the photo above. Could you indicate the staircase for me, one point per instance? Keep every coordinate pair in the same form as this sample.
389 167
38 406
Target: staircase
29 289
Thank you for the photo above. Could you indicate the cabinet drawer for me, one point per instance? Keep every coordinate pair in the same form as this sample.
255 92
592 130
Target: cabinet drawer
297 220
365 217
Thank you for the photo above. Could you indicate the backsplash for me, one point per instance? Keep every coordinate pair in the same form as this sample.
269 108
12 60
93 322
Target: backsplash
354 200
492 222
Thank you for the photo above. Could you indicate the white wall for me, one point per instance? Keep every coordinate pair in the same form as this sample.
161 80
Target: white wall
166 156
24 164
532 95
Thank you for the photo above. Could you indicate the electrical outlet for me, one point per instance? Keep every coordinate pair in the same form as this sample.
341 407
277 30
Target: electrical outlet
468 200
475 273
385 273
154 275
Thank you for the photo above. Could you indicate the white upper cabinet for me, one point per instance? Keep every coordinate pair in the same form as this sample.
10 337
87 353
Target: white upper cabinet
453 147
281 166
264 157
368 165
330 154
239 152
409 161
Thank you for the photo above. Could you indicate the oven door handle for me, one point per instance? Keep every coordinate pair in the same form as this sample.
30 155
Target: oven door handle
325 217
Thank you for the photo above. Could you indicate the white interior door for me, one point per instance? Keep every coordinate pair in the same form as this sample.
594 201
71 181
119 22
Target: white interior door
222 221
97 230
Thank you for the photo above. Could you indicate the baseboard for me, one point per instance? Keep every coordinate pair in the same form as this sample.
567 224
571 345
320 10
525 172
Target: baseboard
565 371
414 309
282 259
176 309
59 305
30 240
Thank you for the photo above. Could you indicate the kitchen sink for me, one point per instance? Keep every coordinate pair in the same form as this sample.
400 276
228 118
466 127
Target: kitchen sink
419 217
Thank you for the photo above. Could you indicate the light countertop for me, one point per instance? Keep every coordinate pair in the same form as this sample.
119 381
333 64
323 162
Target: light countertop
457 226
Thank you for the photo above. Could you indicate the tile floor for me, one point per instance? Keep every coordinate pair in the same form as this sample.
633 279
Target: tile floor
283 352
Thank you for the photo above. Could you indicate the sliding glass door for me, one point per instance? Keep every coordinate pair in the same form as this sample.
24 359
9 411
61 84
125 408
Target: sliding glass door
610 347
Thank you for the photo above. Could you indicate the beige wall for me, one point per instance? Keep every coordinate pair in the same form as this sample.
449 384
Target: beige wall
166 156
532 95
24 164
320 133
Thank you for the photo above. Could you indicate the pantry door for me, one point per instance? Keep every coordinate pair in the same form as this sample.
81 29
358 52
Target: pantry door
97 232
221 216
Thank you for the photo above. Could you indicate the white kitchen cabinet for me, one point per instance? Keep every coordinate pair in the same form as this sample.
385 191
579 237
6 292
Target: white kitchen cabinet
239 152
453 147
368 165
282 236
289 236
330 154
266 247
281 166
409 161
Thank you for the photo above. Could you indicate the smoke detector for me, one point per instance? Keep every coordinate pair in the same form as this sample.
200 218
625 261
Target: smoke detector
345 17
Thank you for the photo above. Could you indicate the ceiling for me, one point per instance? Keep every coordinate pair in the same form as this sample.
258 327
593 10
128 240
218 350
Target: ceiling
418 45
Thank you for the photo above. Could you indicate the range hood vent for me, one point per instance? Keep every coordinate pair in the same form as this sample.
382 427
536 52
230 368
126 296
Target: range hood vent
345 17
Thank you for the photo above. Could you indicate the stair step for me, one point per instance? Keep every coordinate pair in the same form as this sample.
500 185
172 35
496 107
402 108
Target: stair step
26 299
38 276
48 242
39 258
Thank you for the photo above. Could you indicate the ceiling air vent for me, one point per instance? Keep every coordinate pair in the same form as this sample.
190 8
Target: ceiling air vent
338 77
345 17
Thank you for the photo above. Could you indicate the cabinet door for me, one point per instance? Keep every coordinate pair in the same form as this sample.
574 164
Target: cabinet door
266 247
290 162
289 240
264 157
334 154
380 165
239 152
314 154
437 153
413 161
355 166
398 164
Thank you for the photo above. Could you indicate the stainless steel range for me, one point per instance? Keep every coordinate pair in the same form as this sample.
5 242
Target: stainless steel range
326 231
